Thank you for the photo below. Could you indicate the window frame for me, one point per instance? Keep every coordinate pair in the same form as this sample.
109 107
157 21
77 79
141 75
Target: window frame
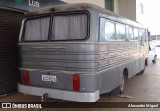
127 26
132 28
116 31
114 22
139 39
141 8
50 25
99 31
32 18
72 13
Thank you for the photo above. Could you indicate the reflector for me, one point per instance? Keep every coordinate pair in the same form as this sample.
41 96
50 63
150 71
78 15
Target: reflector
26 77
76 82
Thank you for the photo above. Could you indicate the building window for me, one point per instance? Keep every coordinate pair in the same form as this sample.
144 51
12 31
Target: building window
109 5
141 8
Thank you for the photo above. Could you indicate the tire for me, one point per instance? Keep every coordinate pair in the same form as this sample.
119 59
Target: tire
142 72
146 62
121 87
155 59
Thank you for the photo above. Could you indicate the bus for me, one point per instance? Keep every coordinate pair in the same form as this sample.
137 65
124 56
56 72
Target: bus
77 52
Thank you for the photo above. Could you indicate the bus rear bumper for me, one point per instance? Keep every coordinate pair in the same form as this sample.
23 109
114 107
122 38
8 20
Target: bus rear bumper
60 94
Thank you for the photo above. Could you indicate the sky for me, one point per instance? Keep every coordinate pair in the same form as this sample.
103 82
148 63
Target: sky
152 16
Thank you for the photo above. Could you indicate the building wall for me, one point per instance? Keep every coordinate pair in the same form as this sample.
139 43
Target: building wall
140 17
100 3
116 6
127 8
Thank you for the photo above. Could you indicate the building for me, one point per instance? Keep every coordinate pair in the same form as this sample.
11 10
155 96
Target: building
132 9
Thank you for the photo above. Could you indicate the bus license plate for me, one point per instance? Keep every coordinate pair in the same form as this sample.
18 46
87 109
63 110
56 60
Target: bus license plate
49 78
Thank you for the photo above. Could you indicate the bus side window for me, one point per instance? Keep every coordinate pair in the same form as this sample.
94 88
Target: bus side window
102 30
110 31
141 36
120 32
107 30
136 35
130 33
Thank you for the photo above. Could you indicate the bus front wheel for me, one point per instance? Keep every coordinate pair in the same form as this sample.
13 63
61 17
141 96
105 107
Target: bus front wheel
155 59
121 87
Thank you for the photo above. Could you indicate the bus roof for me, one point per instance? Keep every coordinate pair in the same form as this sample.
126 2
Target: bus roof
80 6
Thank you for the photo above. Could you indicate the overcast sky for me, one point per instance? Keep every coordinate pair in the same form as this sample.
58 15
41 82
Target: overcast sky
152 15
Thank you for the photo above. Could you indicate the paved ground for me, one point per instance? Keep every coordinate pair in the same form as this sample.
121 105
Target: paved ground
143 88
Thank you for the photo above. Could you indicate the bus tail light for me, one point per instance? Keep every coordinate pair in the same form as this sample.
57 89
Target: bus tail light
25 77
76 82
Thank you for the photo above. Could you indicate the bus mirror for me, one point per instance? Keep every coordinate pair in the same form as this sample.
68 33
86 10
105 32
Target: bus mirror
149 36
149 48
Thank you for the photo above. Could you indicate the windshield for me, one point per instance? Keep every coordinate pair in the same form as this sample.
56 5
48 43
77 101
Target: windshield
61 27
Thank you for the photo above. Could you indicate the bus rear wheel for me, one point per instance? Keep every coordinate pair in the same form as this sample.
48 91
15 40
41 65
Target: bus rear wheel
121 87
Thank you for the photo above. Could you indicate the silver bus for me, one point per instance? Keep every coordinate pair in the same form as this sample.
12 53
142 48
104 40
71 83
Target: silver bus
77 52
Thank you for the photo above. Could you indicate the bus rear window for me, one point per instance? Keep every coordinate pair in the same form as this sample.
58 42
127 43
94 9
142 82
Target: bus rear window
36 29
63 26
69 27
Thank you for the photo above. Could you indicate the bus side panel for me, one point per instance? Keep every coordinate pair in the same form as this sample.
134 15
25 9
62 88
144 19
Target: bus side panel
120 56
109 80
144 55
113 61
